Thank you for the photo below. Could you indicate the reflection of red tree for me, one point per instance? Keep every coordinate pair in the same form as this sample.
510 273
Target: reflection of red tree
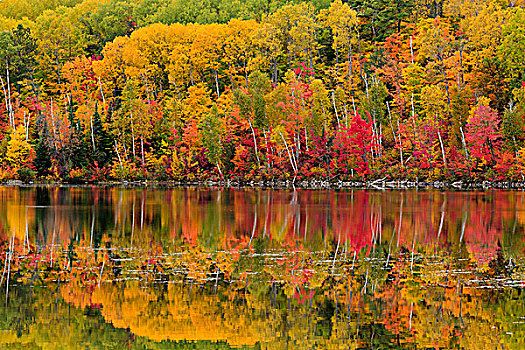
356 219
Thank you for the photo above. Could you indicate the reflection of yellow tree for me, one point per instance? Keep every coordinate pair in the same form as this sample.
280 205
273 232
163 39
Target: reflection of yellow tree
177 316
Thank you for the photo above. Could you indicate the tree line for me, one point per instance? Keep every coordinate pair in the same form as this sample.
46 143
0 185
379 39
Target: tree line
156 89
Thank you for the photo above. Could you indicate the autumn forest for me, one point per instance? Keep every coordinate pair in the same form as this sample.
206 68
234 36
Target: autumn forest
192 90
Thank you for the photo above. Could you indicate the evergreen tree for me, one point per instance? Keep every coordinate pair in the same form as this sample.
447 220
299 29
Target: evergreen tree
42 158
380 18
103 148
79 147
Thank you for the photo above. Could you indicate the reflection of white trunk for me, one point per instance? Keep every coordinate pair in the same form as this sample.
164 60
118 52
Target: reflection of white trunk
118 210
390 247
53 245
267 214
413 248
101 271
26 237
11 247
400 221
441 220
463 227
142 212
336 250
253 228
305 224
92 226
132 221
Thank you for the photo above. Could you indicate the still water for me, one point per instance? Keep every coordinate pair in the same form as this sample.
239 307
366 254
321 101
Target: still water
114 268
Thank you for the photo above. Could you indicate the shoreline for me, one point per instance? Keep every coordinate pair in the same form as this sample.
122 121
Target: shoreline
380 184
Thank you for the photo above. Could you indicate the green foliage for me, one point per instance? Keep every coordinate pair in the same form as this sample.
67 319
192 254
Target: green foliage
103 151
513 47
79 149
381 18
26 174
374 101
43 158
109 20
251 101
211 135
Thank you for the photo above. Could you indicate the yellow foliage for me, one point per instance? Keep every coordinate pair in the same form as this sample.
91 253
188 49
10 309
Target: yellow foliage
197 104
124 171
482 101
433 102
18 149
76 173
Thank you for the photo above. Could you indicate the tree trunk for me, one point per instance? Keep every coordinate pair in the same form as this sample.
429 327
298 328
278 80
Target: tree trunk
255 144
102 93
442 149
220 172
142 148
289 154
132 135
118 155
217 84
10 110
92 132
6 100
191 75
464 143
446 86
350 68
335 109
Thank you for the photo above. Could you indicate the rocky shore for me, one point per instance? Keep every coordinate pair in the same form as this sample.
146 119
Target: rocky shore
379 184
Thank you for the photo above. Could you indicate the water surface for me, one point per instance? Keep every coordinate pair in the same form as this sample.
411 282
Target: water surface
220 269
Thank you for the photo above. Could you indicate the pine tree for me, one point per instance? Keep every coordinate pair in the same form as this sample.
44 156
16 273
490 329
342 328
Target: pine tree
79 148
103 148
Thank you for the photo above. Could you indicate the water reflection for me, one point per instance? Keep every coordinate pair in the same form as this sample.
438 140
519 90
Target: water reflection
201 268
215 219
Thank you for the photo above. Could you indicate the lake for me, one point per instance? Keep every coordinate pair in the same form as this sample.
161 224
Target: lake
200 268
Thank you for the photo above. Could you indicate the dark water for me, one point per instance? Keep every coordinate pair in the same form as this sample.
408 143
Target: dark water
219 269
